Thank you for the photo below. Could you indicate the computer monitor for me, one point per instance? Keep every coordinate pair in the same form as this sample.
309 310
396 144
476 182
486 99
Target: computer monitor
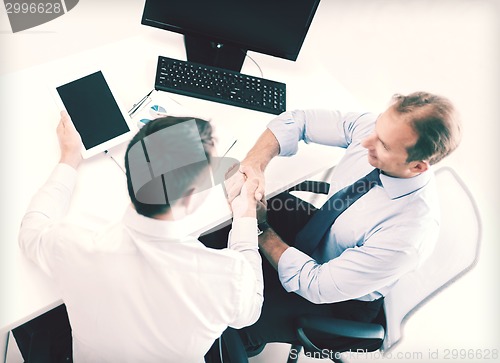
219 32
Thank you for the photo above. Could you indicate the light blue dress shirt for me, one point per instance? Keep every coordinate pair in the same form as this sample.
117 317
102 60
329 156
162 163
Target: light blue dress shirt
385 234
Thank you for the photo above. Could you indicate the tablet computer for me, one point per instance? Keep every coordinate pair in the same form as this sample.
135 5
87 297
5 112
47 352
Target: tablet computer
92 106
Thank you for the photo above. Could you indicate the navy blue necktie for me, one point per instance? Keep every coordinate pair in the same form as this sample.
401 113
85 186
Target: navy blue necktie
313 232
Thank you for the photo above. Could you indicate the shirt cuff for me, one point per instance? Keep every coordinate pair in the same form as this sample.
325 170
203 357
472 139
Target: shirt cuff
243 234
290 266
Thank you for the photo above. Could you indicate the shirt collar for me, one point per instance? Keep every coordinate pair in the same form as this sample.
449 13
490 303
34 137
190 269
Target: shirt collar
399 187
154 228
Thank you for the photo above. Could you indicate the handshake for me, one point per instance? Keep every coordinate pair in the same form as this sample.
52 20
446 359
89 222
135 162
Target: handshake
245 192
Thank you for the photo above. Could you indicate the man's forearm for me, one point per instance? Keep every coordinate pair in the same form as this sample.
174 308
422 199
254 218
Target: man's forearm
243 238
264 150
272 246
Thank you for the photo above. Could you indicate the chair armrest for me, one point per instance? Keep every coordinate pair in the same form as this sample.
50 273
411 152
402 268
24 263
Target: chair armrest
318 187
337 328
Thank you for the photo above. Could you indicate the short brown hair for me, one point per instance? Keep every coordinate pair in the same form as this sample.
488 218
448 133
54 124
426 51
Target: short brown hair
169 151
435 121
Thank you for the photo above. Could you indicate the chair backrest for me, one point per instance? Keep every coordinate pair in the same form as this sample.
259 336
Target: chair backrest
456 252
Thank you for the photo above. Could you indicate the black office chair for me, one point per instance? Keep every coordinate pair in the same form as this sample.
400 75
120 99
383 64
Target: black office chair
232 348
455 254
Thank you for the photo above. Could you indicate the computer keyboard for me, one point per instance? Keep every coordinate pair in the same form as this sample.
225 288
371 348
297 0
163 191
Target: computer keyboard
220 85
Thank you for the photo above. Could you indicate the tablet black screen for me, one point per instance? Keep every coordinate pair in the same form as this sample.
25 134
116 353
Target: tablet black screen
93 109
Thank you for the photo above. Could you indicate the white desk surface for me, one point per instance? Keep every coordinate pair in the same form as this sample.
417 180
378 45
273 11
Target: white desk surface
29 153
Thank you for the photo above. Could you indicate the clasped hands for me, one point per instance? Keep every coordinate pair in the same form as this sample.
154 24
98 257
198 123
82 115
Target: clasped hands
245 192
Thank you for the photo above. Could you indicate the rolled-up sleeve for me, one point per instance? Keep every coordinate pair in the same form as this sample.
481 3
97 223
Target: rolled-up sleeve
326 127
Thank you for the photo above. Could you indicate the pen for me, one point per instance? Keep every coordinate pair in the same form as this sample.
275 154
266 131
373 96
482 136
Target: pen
136 106
230 147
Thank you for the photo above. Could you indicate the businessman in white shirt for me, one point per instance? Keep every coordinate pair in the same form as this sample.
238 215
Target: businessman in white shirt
384 234
141 290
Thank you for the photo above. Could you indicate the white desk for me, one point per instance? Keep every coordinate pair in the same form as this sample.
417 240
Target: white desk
29 153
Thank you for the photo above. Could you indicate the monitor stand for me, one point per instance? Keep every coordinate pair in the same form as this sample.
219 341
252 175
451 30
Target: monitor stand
205 51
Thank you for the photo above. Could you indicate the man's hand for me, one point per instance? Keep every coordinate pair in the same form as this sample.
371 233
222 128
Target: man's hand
253 166
245 205
235 183
70 141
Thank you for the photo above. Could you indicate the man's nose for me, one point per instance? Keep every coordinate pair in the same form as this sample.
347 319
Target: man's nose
367 142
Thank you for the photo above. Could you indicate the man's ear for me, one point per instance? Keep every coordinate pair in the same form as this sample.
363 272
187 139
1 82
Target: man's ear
419 166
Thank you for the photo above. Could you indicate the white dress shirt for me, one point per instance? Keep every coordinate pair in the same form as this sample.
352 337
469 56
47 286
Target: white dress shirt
140 290
386 233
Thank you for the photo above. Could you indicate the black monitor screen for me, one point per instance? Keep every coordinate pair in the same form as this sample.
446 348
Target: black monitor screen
274 27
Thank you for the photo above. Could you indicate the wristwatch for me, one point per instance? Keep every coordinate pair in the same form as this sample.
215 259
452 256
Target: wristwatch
262 227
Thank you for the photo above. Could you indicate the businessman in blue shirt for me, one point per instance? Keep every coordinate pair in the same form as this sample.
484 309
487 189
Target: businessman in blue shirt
387 232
